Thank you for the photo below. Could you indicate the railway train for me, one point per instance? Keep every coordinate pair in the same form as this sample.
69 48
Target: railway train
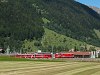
45 55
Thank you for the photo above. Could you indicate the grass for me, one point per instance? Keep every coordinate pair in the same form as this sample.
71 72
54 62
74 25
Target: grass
97 32
8 58
88 72
49 68
55 39
45 20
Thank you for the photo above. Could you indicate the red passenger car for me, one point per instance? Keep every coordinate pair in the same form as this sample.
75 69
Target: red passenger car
24 55
64 55
34 55
43 55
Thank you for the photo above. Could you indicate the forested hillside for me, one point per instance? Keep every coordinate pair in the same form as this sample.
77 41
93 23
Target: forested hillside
18 21
72 19
22 20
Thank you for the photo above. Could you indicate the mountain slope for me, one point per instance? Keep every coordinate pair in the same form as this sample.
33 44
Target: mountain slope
71 18
24 20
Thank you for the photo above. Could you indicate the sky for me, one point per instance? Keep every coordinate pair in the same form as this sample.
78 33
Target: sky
95 3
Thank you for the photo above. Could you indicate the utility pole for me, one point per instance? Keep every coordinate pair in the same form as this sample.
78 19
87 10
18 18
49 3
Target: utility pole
20 51
8 50
52 52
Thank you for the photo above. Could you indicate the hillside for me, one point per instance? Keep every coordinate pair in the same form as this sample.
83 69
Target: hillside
22 20
56 41
53 39
73 19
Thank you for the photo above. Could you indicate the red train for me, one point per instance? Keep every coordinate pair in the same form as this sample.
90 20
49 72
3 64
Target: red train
46 55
